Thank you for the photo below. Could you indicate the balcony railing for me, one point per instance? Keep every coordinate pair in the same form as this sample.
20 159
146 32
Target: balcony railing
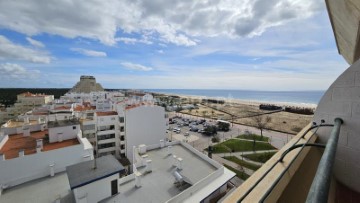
320 186
321 183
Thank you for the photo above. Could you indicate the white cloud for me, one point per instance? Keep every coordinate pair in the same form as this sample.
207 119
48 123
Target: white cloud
160 51
177 22
14 72
35 42
11 51
129 40
134 66
88 52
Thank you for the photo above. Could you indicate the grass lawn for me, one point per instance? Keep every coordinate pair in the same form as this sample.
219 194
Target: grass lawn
251 137
240 146
242 163
239 174
260 157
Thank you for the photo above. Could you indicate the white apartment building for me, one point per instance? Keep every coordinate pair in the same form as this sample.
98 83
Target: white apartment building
32 155
25 102
107 133
144 124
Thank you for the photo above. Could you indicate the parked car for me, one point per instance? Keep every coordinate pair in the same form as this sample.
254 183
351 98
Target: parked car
187 134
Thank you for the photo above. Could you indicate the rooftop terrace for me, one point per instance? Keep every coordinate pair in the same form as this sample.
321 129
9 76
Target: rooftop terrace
46 189
158 186
28 144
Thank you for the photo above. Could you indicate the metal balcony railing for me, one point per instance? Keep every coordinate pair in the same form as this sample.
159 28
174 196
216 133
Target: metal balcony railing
319 190
320 186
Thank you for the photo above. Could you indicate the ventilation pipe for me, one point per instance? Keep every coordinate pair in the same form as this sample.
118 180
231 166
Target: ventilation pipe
52 171
162 144
169 150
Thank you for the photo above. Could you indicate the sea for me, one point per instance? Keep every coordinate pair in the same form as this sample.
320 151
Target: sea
295 97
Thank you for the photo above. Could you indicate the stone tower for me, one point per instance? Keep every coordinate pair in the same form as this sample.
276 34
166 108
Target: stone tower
87 84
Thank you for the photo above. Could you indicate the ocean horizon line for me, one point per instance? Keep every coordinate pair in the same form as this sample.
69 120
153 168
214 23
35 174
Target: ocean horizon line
307 98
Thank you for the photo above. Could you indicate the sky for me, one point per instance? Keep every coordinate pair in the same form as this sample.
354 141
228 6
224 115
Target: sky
161 44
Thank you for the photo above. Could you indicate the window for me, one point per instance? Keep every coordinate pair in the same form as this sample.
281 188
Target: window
89 127
122 129
74 127
122 119
122 147
104 137
122 138
112 119
107 145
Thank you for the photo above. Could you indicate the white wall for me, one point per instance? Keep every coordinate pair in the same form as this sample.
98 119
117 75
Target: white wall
30 167
96 191
342 100
144 125
62 133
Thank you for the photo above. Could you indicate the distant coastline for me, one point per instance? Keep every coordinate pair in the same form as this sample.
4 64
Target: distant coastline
249 97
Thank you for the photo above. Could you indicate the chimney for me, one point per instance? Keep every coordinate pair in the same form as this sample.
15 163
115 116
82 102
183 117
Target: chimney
162 144
39 143
21 153
169 150
52 171
174 161
148 165
26 131
2 157
26 119
179 166
137 180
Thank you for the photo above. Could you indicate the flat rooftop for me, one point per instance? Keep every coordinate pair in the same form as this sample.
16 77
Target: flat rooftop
15 124
61 123
158 186
42 190
28 144
83 173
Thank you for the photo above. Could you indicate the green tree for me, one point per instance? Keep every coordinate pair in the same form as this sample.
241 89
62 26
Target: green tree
223 126
210 130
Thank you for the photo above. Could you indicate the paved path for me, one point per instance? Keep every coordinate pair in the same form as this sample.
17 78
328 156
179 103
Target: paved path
232 164
239 155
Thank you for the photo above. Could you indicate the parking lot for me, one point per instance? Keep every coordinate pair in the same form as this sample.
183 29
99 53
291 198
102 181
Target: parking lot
201 141
187 129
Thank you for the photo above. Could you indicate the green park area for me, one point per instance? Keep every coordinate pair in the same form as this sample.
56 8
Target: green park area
253 136
239 174
243 163
234 145
260 157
